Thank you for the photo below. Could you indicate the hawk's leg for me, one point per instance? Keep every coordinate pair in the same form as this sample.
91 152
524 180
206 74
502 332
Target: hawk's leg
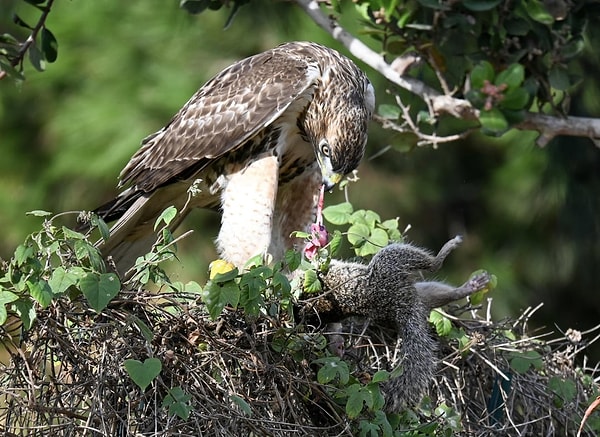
248 201
295 210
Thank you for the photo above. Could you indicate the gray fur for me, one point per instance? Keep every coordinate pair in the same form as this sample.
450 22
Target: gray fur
388 290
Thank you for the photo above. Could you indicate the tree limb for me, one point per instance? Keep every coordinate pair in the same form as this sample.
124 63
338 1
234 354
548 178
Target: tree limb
548 126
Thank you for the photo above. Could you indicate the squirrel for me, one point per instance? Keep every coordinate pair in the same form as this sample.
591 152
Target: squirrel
388 290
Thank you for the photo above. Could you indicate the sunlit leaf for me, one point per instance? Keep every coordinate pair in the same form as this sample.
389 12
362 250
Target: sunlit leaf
38 213
311 282
165 217
338 214
61 280
6 297
535 9
40 291
512 76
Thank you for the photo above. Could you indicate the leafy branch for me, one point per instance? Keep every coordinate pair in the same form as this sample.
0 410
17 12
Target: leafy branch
438 103
16 57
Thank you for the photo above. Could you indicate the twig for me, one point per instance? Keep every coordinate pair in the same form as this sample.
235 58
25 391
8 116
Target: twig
31 38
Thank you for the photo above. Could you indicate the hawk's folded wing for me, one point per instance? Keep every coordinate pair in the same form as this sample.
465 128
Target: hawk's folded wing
230 109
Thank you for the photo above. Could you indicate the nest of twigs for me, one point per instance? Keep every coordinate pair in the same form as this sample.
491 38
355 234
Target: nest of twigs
68 378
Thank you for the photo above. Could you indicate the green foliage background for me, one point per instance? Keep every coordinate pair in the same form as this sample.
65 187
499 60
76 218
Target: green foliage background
531 216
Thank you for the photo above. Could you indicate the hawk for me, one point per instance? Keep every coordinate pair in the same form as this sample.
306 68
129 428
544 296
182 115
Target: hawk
258 140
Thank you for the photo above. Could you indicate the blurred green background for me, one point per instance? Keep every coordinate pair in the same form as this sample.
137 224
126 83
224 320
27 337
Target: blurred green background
529 215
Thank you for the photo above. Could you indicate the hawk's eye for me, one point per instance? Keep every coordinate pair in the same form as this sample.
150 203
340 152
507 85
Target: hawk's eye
324 148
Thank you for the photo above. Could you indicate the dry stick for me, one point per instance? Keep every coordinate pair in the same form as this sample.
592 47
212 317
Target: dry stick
548 126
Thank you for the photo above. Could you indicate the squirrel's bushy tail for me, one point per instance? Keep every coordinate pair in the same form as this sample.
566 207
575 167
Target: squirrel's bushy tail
418 358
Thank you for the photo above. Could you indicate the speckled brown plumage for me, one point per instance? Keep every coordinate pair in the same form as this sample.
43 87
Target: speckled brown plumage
259 139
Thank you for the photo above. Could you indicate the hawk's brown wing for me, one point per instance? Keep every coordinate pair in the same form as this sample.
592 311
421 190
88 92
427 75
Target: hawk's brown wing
230 109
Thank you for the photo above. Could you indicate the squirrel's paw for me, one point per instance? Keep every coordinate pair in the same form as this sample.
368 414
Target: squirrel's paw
478 282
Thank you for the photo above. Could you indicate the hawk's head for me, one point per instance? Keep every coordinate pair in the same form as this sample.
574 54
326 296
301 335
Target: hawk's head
340 144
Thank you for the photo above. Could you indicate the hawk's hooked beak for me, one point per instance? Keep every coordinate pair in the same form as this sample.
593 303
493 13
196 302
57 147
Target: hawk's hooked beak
330 180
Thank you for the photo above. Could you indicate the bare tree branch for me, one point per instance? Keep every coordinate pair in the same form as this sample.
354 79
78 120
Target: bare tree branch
548 126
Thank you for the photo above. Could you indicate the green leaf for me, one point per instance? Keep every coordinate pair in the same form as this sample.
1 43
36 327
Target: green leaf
71 234
493 121
19 22
215 296
143 373
26 312
367 217
442 324
358 234
22 254
522 361
311 282
36 58
11 71
6 297
40 291
338 214
192 287
565 389
512 76
166 216
85 250
282 282
559 78
194 6
391 112
333 367
480 5
480 73
381 376
144 329
242 404
102 227
230 275
572 49
515 99
99 289
537 12
61 280
357 397
292 259
335 243
177 401
38 213
49 45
